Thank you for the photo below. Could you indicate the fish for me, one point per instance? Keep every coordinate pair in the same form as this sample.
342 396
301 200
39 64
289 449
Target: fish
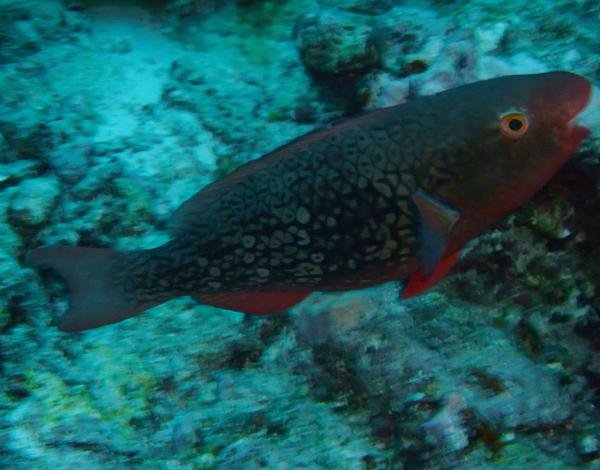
392 194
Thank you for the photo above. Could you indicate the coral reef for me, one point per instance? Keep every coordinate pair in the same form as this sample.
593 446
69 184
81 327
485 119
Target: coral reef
112 114
336 43
25 27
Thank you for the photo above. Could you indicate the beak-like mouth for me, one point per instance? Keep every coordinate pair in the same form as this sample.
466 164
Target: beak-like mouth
589 117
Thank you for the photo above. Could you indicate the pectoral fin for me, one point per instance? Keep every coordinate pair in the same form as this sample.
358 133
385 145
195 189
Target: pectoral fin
419 282
437 220
436 223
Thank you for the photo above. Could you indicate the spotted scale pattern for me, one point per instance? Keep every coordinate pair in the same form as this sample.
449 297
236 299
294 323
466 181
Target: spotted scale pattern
328 211
391 194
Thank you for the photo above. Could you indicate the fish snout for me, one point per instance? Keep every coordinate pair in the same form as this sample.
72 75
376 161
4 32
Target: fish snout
589 116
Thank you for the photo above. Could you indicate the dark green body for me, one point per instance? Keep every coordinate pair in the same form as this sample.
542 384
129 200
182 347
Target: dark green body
334 209
330 210
386 195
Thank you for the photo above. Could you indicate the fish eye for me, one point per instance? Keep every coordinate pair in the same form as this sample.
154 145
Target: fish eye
514 124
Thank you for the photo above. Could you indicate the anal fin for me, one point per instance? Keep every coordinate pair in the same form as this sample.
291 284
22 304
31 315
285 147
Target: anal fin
255 303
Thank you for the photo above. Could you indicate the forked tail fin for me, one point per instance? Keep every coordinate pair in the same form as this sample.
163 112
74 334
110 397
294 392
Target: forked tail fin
96 297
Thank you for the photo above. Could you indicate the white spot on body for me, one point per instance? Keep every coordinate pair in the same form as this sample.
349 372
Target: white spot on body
308 269
401 190
392 178
302 215
384 189
248 241
262 272
404 222
403 205
304 239
391 245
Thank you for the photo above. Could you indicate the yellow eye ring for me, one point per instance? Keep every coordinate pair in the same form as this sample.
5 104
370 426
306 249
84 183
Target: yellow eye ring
514 125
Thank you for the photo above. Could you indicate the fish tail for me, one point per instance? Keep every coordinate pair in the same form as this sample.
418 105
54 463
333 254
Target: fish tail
96 297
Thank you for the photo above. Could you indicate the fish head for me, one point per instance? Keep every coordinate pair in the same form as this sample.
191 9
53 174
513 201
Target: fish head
510 136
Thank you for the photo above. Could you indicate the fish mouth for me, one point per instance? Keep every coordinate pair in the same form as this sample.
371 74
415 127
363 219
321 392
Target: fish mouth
588 116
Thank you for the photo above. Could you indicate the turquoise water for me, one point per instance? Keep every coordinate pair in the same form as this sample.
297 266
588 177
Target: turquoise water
112 114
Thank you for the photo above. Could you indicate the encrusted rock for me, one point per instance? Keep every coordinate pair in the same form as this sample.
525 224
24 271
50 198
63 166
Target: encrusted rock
33 201
365 7
70 162
26 25
335 43
12 173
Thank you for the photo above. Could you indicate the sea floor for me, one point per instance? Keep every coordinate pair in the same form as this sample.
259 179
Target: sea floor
114 113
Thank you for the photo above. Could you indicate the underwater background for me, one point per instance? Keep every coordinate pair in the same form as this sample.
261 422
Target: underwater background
114 113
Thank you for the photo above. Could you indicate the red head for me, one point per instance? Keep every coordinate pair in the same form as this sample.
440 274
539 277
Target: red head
503 139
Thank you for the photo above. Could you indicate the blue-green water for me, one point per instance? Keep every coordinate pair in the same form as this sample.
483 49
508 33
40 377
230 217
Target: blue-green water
112 114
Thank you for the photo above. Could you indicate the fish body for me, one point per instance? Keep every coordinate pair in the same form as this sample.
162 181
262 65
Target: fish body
391 194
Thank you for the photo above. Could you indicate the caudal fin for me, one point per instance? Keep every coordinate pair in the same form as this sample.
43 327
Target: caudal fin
96 299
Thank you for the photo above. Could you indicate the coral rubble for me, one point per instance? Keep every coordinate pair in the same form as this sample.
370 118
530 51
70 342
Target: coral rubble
113 113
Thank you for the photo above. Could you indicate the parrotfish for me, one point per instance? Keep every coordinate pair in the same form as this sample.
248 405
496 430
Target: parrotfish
390 194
